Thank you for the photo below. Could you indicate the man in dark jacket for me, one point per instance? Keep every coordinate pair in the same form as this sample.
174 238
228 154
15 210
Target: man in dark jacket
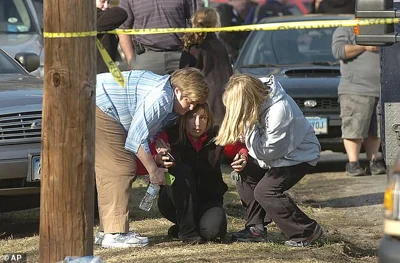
273 8
236 13
337 6
108 19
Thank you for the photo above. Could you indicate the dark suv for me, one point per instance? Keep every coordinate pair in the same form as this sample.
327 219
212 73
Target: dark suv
302 62
20 131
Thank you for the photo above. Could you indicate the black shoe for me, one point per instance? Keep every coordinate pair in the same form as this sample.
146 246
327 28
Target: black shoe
250 234
173 232
307 241
377 167
193 240
354 169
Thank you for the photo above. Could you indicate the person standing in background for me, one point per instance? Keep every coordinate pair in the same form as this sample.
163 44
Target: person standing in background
108 18
314 6
274 8
337 7
207 52
358 96
159 53
236 13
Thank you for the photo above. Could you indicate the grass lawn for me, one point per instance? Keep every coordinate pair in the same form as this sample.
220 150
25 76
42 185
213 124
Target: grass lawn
332 247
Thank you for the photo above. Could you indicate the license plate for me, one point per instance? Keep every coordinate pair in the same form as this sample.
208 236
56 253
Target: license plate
34 168
319 124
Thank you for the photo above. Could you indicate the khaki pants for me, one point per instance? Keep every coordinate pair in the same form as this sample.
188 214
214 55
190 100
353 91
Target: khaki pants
115 171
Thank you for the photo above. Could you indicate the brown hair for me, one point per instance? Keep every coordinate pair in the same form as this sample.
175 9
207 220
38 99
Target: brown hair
192 83
203 18
183 119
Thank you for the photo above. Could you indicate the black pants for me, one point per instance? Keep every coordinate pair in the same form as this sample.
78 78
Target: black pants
179 203
263 195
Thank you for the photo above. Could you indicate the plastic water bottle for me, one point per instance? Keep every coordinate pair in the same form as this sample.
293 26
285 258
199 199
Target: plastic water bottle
151 194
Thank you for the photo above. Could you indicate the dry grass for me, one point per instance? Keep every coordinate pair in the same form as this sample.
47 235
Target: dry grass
333 247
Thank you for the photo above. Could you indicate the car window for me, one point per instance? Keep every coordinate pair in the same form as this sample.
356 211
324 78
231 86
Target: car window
14 17
9 66
288 47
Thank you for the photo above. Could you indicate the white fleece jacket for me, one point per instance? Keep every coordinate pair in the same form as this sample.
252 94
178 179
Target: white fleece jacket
283 137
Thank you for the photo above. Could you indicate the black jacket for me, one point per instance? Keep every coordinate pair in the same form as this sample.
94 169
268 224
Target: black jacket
205 163
212 59
273 8
337 7
108 19
233 40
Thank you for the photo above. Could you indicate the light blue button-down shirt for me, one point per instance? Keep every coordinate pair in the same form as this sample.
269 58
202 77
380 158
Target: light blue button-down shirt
144 107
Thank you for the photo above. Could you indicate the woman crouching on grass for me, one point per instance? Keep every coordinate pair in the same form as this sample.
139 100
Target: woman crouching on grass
194 201
283 143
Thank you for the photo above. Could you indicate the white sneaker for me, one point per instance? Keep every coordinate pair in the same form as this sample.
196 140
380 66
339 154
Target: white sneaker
123 240
100 236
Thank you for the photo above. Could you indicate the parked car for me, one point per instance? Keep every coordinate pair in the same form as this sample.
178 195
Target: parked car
21 28
20 131
302 62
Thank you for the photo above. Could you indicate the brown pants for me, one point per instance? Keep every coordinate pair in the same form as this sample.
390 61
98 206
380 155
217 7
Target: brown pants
115 171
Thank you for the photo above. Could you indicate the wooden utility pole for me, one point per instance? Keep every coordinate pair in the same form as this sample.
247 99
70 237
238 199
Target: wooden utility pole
67 160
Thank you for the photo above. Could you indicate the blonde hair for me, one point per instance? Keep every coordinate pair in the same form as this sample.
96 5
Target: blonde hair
203 18
191 83
183 119
242 98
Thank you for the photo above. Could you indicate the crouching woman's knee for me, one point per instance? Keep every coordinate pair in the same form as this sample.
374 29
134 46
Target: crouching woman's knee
213 224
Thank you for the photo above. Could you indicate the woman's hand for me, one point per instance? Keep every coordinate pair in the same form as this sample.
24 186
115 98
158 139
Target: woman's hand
162 147
157 176
163 157
239 162
163 160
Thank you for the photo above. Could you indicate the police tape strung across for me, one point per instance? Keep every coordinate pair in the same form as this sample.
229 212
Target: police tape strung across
119 78
114 70
267 26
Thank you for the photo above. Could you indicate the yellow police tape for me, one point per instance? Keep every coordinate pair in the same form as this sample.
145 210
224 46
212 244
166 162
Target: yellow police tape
114 70
112 67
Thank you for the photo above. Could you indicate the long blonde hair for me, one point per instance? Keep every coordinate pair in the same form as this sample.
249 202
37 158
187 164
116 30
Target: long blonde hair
242 98
203 18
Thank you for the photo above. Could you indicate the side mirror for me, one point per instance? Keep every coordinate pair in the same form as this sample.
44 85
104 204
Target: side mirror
30 61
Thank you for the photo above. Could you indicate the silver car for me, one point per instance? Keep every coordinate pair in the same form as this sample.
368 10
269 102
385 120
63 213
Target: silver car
20 129
21 28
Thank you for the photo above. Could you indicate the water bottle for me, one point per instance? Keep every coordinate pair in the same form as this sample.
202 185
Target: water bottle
151 194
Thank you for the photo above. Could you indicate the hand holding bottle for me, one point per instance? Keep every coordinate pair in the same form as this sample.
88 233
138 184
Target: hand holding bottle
157 176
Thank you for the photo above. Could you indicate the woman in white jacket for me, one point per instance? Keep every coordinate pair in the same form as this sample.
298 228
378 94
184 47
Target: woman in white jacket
282 144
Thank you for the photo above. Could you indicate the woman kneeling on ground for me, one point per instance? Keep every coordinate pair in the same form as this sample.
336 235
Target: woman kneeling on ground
194 201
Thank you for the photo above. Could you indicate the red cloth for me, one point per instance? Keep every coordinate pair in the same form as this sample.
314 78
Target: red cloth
140 169
231 150
199 143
